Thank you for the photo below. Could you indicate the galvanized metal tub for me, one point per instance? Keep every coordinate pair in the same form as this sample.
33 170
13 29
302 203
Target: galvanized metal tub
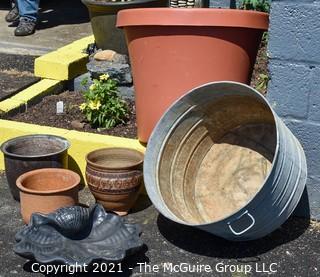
221 160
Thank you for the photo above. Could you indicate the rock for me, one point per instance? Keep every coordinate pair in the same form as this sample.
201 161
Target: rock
118 71
126 92
119 58
111 56
104 55
76 83
77 124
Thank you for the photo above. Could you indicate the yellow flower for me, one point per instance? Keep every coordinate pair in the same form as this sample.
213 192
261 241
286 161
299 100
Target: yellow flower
94 105
92 87
83 106
104 77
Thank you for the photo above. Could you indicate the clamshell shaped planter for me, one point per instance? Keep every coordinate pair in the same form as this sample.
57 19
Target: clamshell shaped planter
46 190
220 159
103 15
114 177
77 235
26 153
174 50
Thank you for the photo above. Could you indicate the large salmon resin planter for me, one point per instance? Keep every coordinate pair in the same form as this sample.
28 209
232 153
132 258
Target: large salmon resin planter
175 50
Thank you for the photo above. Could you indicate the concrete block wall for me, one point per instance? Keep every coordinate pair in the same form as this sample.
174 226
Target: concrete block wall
294 87
223 3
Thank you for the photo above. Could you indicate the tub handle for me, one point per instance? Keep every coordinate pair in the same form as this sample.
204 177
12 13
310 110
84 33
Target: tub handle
245 230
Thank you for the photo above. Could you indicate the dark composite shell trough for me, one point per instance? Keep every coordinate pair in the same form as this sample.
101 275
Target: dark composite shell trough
77 235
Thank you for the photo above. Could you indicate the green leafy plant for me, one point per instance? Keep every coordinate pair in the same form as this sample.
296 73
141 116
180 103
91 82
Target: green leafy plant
103 107
257 5
262 83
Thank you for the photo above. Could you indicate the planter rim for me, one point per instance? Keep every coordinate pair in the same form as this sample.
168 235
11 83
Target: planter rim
109 3
10 142
59 171
193 17
97 165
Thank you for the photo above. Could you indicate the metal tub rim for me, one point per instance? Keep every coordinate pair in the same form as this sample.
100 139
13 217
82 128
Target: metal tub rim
151 155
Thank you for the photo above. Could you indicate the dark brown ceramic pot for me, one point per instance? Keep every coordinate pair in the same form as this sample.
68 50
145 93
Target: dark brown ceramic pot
114 176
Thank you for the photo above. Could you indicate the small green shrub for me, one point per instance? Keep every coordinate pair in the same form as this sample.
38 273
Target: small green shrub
103 107
257 5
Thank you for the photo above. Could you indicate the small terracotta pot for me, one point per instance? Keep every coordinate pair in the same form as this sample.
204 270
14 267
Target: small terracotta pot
114 176
46 190
175 50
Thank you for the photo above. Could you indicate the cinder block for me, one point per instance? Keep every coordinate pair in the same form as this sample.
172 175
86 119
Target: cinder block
220 3
314 98
289 89
295 31
309 136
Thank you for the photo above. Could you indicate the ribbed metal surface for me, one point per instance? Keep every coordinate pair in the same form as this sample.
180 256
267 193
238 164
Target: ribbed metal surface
221 160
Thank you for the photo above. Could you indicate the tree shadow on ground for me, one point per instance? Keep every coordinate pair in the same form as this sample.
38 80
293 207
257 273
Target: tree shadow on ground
200 242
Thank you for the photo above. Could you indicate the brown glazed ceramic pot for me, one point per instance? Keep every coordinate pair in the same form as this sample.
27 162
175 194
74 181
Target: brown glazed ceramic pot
114 176
46 190
175 50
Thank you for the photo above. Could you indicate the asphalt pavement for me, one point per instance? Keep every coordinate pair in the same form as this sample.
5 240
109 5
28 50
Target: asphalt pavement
60 22
171 249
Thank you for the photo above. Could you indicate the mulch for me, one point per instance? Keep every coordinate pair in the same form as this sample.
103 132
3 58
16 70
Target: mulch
44 113
261 67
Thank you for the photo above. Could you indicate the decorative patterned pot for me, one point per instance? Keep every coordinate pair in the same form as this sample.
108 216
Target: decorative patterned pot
114 176
46 190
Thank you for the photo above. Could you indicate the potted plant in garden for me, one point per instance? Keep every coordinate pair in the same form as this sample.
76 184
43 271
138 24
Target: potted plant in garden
174 50
103 20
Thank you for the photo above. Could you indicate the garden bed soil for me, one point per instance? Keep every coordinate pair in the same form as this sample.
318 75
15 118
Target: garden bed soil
16 73
44 113
260 67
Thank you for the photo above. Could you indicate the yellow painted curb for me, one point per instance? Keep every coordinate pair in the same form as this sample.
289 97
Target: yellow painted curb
38 90
65 63
10 105
81 143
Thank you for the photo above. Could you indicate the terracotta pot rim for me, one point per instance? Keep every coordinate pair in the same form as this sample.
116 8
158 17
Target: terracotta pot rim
75 183
97 165
9 142
209 17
